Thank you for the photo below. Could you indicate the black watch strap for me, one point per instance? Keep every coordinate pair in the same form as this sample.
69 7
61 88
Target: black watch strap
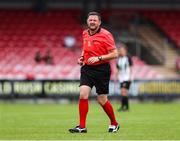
100 58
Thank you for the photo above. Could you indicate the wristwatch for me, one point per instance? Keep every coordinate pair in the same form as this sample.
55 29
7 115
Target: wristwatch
100 58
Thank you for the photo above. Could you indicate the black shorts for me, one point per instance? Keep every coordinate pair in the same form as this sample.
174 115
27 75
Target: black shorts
98 76
125 84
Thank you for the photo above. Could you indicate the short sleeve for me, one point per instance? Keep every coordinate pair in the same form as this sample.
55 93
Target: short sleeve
109 42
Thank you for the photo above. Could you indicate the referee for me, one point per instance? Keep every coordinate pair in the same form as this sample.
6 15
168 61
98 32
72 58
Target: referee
98 48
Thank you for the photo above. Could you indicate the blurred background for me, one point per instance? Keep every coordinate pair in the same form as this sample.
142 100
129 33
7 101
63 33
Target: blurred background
40 41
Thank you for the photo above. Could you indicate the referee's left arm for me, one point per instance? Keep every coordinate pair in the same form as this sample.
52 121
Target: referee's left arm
111 55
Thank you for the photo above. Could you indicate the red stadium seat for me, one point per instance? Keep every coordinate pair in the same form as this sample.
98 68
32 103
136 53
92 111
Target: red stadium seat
23 33
168 21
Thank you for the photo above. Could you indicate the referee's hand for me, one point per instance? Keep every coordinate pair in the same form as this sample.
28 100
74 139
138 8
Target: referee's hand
92 60
81 61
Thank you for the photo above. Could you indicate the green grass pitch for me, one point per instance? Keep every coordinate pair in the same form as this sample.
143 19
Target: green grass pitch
51 122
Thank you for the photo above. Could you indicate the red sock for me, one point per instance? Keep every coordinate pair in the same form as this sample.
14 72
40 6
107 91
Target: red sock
109 111
83 110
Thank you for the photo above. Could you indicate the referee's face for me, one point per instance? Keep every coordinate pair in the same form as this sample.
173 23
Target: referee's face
93 22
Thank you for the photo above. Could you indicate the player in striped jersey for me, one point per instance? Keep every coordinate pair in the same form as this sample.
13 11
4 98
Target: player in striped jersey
124 71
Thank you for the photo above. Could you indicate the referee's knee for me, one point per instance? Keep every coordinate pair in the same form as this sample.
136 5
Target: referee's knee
101 99
83 96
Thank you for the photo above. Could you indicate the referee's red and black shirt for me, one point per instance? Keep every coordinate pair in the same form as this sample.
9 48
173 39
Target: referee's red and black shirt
97 44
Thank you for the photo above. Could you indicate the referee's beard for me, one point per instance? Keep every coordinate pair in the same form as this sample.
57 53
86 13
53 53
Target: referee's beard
93 29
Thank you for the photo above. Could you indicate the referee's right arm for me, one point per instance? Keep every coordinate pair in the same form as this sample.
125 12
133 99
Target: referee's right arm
81 59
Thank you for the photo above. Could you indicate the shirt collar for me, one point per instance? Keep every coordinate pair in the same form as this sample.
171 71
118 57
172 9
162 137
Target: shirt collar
95 32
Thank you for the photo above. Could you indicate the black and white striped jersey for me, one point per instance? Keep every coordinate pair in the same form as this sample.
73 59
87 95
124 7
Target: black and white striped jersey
123 65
